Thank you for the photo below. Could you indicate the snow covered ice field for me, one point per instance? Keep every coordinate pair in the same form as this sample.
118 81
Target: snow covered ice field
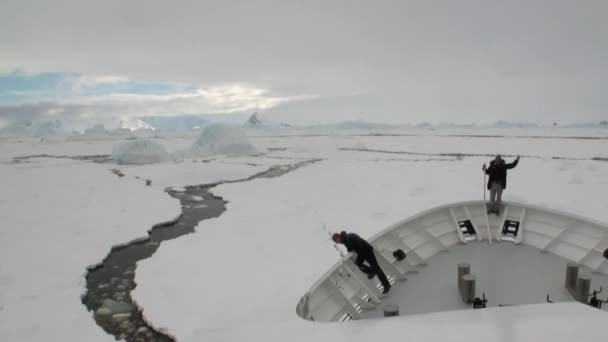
245 271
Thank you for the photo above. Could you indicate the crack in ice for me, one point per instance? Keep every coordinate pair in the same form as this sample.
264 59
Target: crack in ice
109 283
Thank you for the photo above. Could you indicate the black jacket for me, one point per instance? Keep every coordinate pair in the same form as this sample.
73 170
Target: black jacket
498 172
354 243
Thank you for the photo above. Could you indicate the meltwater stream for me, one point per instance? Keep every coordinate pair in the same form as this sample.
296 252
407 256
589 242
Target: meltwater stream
110 283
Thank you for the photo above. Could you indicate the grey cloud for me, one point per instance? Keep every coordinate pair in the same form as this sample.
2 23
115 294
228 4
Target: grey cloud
100 108
416 60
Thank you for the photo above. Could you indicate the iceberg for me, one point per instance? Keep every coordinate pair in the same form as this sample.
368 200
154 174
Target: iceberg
222 139
139 152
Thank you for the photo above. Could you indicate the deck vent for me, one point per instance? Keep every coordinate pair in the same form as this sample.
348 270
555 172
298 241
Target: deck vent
467 229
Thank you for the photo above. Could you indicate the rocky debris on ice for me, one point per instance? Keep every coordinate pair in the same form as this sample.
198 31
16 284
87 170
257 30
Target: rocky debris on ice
118 318
117 307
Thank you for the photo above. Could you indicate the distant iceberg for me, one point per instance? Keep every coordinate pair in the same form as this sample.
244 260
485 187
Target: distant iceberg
508 124
133 124
100 132
139 152
37 129
173 122
47 129
98 129
222 139
355 124
255 120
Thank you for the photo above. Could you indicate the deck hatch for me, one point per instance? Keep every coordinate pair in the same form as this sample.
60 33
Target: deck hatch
467 229
510 228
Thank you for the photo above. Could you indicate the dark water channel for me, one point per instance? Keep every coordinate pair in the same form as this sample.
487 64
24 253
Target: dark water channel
110 283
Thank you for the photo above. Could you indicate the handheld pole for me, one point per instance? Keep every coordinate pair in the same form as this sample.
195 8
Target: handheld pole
483 186
329 233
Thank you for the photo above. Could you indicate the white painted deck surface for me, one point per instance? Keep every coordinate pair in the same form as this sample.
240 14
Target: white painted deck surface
563 322
508 274
520 267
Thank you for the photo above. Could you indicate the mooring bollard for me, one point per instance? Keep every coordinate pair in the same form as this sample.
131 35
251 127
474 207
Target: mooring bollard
391 310
582 288
463 268
571 275
468 288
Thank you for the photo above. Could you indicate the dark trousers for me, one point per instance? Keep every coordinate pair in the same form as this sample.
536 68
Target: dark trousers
373 268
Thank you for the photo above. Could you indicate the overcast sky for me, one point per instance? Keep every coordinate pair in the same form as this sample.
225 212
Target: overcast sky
306 61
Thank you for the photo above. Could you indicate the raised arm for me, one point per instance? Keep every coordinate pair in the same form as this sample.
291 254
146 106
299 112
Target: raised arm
513 164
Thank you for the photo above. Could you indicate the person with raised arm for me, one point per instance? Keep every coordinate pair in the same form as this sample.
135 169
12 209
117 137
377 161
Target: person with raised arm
497 182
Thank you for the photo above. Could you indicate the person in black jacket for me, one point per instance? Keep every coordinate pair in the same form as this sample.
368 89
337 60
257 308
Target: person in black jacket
365 252
497 181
